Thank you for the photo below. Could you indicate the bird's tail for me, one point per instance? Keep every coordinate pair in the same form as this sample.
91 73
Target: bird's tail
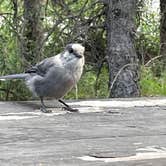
14 76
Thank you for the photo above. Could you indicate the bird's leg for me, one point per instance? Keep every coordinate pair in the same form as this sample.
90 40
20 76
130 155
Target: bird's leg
67 107
43 107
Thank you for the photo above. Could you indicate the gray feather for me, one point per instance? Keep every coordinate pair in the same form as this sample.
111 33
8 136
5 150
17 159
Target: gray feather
14 76
54 76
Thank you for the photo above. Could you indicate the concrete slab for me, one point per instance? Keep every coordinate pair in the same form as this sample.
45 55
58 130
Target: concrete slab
114 132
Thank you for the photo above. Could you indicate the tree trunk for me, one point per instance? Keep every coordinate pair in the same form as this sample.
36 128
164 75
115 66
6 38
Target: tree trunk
163 30
32 34
121 54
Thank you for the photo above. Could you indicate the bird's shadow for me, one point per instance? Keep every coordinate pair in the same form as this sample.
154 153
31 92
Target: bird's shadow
37 104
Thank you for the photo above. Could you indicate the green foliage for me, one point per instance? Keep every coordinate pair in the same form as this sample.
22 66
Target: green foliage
152 81
103 81
90 86
77 23
10 60
63 22
150 84
148 41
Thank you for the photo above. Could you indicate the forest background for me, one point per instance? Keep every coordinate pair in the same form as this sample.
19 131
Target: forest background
33 30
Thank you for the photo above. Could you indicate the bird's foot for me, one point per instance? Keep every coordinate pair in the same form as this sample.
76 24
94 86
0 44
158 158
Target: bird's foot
71 109
44 110
67 107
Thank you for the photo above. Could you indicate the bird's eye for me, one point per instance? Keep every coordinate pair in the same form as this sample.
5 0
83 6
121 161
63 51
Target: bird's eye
70 50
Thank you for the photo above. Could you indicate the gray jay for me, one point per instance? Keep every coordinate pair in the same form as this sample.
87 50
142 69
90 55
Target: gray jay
55 76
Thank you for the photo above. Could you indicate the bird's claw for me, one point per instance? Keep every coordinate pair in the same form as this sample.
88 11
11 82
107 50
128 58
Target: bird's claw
70 109
44 110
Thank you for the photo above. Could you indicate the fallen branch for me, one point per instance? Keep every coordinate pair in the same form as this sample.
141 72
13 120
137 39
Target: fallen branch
114 80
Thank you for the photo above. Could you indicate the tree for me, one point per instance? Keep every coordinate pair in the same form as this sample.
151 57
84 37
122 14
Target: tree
163 30
121 54
32 33
55 23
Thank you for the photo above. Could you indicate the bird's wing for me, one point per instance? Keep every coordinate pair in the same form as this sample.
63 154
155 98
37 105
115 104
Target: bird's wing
44 66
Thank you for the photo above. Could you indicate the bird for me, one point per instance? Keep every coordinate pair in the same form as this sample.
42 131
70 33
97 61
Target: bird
55 76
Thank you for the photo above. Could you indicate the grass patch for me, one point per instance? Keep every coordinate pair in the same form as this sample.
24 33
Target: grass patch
152 85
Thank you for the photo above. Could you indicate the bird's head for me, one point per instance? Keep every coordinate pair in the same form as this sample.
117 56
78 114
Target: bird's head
75 49
73 59
73 54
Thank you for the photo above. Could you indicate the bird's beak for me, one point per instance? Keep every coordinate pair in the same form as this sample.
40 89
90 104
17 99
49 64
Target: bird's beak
78 55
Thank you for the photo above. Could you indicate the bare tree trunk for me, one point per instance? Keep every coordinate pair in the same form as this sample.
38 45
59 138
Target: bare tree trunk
163 30
32 34
121 54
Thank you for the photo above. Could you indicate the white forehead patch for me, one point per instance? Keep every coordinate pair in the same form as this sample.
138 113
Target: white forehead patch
79 48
